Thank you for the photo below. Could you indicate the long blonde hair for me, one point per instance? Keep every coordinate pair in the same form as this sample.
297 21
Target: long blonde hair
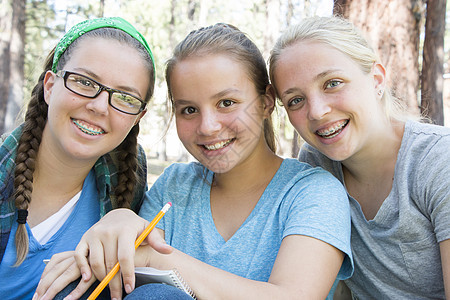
346 38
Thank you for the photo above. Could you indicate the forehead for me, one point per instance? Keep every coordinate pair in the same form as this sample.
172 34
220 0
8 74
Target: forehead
312 52
112 62
310 58
211 73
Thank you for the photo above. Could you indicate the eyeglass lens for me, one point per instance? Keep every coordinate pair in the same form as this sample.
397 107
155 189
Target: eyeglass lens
85 86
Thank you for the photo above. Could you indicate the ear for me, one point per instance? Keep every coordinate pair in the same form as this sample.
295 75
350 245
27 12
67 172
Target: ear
379 76
49 81
140 116
269 101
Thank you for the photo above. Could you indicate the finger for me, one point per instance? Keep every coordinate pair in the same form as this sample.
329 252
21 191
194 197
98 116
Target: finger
81 288
97 259
81 257
55 260
156 240
115 287
52 285
126 251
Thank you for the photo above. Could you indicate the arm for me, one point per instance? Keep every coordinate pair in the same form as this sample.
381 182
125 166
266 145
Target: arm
317 261
305 268
445 258
100 243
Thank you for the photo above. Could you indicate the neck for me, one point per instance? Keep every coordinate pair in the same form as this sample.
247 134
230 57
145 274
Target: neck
256 170
377 158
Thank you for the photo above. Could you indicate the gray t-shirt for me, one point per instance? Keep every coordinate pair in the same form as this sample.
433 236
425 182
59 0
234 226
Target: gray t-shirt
397 254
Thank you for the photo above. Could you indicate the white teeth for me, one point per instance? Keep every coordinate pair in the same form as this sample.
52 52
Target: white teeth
333 131
218 145
88 129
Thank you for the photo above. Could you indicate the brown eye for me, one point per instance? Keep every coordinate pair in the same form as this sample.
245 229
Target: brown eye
188 110
226 103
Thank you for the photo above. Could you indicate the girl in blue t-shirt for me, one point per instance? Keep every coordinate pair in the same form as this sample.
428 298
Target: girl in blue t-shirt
244 222
76 156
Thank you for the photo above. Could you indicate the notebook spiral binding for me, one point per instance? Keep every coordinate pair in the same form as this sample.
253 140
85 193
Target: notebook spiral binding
184 284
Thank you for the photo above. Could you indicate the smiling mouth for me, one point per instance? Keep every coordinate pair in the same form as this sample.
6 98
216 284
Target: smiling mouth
88 129
219 145
332 131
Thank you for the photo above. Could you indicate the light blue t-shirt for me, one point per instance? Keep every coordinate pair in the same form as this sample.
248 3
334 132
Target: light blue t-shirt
21 282
299 200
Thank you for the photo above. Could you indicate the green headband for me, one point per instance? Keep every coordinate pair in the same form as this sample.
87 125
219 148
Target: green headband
89 25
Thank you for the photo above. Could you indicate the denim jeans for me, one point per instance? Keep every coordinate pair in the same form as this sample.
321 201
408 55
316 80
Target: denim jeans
157 291
104 295
152 291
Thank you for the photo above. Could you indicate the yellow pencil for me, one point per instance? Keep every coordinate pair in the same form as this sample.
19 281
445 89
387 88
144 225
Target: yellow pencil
139 240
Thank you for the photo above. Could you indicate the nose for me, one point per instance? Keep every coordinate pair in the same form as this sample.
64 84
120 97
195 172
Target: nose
99 104
318 108
209 123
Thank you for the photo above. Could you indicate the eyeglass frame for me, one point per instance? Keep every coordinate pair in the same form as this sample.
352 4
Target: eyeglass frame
65 74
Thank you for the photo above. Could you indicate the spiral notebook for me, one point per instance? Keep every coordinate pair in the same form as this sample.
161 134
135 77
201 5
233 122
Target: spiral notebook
146 275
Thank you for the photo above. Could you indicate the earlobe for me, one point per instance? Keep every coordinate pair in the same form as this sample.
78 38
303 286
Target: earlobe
49 81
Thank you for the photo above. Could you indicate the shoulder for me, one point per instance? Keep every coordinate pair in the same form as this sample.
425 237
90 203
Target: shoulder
315 158
305 172
424 143
183 174
311 184
8 152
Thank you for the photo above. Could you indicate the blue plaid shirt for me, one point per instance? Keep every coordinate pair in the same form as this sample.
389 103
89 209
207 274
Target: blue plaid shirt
105 173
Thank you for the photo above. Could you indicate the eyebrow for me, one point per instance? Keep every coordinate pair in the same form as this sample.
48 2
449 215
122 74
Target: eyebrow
124 88
225 93
318 76
220 94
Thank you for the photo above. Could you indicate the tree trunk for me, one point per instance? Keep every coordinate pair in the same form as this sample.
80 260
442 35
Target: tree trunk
102 8
12 47
272 26
5 42
393 28
432 104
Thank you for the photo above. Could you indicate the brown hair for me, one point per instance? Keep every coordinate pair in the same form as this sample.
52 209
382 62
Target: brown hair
225 38
36 118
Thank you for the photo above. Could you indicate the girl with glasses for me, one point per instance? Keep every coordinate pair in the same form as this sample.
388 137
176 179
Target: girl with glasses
76 156
245 223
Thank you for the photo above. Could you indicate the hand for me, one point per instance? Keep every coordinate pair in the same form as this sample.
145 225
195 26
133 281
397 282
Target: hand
111 240
61 270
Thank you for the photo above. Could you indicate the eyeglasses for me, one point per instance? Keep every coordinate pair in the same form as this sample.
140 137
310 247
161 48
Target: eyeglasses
89 88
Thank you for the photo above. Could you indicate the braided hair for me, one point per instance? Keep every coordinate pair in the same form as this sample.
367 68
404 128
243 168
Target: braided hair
35 120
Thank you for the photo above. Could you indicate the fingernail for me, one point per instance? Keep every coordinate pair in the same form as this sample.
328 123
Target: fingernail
84 276
35 296
128 288
68 297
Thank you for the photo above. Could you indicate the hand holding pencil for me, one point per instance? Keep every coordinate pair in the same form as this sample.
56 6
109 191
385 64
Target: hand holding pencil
139 240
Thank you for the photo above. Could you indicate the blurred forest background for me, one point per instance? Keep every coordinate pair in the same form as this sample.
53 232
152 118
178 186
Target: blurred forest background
409 35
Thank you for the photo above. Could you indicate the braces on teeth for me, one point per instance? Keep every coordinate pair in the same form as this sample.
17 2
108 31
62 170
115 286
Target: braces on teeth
87 130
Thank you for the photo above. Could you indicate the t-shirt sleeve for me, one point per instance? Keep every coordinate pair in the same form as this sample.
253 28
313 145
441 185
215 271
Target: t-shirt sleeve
319 208
433 185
